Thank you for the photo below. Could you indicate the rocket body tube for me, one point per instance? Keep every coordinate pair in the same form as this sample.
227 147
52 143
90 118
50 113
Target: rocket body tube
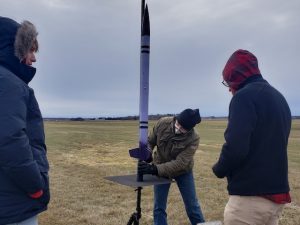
144 96
142 153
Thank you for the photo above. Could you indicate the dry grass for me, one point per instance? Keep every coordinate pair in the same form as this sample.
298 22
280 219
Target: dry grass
82 153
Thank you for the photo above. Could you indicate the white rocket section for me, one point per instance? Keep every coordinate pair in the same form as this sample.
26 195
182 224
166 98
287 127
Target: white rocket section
144 95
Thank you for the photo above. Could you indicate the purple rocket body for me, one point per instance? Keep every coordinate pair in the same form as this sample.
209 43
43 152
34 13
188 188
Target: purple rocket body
142 152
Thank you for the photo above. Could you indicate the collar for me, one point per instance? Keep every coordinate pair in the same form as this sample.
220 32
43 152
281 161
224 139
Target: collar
252 79
11 62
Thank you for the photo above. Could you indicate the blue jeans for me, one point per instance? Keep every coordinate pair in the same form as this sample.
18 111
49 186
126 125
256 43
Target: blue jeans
30 221
186 187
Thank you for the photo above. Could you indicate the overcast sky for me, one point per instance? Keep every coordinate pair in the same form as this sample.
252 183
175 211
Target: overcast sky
88 63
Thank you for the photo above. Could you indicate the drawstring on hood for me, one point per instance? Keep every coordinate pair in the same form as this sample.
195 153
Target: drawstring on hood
16 40
241 65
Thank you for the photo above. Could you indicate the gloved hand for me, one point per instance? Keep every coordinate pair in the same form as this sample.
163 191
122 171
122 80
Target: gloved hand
147 168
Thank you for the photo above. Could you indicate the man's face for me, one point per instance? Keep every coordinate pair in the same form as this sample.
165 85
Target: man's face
179 129
232 91
30 58
226 84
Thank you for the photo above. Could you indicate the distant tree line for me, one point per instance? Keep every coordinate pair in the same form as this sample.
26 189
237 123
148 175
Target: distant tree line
150 117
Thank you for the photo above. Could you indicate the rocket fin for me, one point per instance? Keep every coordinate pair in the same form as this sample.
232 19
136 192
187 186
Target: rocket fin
137 153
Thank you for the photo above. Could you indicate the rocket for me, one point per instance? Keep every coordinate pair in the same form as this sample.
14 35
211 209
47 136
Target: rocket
142 152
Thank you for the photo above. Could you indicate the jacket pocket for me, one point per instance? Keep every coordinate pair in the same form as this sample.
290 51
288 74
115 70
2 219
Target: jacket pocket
45 198
27 177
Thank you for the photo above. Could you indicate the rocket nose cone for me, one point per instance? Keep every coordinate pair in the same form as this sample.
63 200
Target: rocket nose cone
146 23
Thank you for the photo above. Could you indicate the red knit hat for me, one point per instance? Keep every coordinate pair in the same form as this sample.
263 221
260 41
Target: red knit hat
241 65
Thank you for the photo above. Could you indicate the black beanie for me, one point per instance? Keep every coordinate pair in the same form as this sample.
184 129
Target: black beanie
188 118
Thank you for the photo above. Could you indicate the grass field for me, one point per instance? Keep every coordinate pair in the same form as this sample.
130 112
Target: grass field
82 153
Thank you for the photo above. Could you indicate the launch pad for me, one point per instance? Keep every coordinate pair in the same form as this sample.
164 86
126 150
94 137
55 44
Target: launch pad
131 180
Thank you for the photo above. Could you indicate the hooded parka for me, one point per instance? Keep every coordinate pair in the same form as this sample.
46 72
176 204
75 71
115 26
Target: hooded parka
23 162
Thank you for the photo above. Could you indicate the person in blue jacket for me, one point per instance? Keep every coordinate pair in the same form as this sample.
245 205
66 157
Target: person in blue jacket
254 156
24 182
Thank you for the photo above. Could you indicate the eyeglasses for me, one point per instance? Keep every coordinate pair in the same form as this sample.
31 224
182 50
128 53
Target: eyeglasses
225 83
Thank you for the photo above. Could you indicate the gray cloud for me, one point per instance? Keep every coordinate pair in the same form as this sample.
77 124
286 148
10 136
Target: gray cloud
88 64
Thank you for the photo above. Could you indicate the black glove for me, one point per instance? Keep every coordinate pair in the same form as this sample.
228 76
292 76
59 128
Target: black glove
146 168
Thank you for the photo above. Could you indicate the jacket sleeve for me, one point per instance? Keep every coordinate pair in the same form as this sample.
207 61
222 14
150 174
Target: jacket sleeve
152 138
16 159
182 164
241 123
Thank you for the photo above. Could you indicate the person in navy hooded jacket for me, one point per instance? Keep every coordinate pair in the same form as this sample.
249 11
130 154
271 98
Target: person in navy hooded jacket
254 156
24 182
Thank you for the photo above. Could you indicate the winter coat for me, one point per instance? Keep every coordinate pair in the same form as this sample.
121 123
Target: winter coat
174 154
23 162
254 156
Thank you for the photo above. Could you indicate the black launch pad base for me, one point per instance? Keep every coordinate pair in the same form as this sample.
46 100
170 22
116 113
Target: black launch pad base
131 181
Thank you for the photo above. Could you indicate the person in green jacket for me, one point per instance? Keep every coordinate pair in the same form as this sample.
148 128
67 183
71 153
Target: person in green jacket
176 142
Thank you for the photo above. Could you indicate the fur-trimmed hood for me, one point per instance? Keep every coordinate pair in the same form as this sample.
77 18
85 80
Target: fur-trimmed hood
16 40
24 40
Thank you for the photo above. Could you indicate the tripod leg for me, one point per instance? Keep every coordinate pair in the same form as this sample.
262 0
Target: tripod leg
138 203
135 217
131 220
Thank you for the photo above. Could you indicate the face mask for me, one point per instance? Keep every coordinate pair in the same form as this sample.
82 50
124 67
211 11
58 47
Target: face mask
177 131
